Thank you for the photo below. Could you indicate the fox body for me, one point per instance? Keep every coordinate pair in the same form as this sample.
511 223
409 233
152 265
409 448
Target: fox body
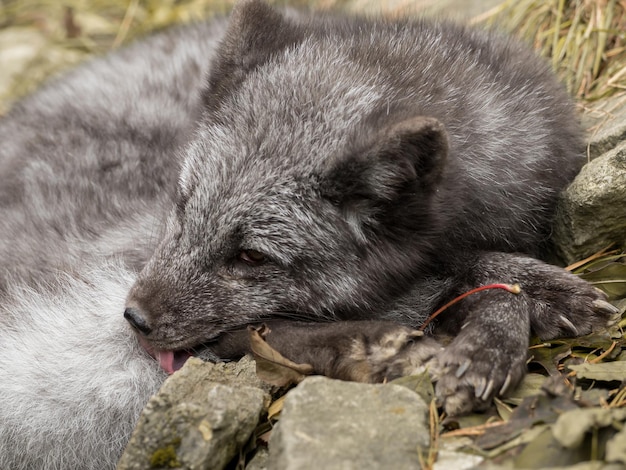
293 170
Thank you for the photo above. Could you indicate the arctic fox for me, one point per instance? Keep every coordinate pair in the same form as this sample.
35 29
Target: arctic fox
290 169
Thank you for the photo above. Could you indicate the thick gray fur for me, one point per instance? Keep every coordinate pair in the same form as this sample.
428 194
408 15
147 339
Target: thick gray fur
309 168
86 166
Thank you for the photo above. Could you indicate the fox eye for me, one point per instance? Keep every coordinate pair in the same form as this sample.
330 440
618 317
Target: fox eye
251 257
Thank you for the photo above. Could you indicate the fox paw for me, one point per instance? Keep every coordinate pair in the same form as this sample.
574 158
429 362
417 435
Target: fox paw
564 305
401 353
469 376
487 357
561 303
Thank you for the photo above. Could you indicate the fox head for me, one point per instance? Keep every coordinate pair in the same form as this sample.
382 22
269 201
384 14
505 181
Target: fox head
303 191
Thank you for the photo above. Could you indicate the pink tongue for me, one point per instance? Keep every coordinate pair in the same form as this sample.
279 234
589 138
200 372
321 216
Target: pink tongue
171 361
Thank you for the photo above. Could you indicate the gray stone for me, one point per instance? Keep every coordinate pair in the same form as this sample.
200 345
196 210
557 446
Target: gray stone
260 460
242 372
194 422
592 211
605 122
332 424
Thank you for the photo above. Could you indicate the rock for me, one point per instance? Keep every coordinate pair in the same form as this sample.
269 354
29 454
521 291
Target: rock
592 210
332 424
452 454
605 122
260 460
242 372
195 422
615 448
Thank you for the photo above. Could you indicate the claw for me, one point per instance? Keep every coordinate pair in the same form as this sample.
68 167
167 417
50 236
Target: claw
480 388
463 368
604 305
601 293
569 324
485 395
506 384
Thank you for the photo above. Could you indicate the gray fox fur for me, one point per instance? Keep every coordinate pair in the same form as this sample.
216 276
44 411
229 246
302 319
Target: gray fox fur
336 178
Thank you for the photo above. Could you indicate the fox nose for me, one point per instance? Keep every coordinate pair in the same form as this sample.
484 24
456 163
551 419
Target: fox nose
137 321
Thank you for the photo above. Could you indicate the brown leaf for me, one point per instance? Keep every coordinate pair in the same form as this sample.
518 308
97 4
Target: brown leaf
276 407
271 366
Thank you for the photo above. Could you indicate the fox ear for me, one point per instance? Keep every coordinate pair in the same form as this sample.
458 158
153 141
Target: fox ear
401 167
255 32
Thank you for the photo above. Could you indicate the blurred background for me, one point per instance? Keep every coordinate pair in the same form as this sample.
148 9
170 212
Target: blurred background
585 39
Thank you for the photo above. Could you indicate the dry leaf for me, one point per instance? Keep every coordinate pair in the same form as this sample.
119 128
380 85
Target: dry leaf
606 371
271 366
276 407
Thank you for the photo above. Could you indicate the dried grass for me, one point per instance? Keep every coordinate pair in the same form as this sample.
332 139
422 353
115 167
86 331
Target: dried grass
585 39
38 38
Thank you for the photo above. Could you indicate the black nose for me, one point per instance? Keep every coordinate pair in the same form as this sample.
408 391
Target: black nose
134 317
